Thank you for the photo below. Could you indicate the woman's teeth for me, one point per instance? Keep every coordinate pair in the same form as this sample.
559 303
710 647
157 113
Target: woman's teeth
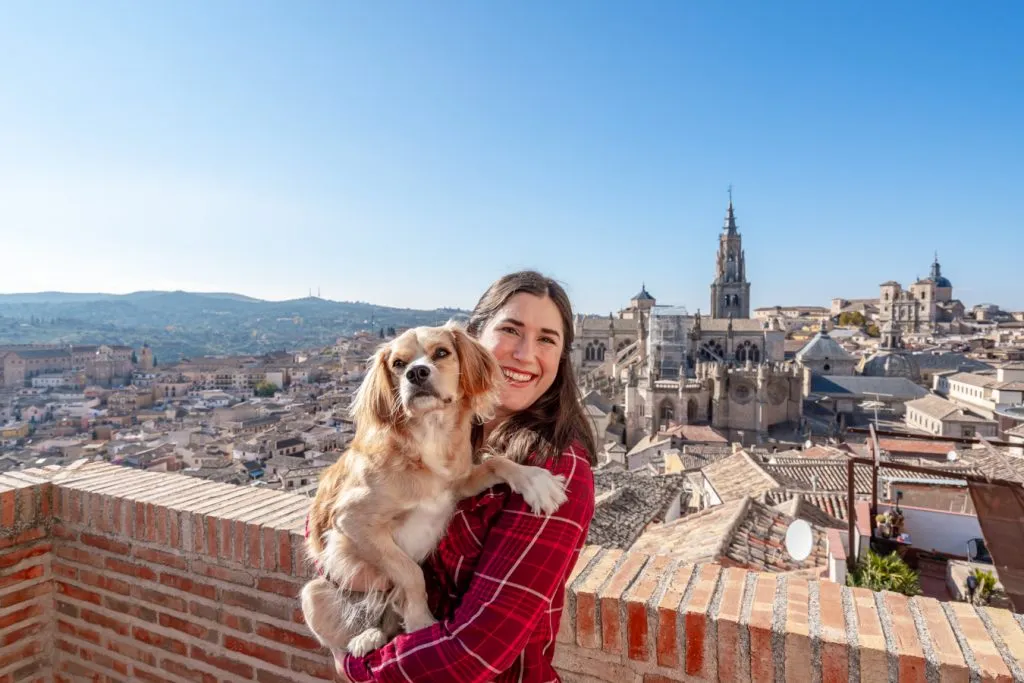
516 376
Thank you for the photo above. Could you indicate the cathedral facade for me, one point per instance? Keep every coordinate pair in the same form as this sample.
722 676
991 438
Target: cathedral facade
666 367
923 306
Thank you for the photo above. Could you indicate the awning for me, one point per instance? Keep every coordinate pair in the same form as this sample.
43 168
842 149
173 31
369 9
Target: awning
1000 510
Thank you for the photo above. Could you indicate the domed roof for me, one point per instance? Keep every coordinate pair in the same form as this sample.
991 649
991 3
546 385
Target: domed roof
887 364
937 277
822 347
644 295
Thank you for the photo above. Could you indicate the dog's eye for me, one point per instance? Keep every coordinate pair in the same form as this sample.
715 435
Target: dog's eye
398 364
441 353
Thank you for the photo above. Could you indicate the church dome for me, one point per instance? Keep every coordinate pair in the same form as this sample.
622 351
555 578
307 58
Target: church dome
937 277
888 364
822 347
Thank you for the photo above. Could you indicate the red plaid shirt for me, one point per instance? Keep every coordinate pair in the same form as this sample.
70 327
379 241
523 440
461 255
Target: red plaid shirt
496 584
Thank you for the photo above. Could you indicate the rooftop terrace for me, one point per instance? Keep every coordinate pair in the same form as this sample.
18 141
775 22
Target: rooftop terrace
113 574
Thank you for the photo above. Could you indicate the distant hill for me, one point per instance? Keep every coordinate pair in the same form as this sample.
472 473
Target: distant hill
182 324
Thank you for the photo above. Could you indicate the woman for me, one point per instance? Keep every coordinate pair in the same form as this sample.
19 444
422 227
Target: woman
497 581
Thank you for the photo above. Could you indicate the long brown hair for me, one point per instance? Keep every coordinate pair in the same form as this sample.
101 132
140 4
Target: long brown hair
556 419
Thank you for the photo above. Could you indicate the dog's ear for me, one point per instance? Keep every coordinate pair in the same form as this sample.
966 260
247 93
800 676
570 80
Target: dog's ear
376 402
479 373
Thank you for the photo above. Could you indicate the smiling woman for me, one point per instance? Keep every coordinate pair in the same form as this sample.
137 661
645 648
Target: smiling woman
497 581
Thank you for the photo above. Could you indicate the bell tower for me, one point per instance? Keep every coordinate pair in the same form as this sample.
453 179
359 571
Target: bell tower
730 291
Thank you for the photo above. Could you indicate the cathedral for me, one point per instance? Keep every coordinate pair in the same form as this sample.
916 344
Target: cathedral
927 306
665 367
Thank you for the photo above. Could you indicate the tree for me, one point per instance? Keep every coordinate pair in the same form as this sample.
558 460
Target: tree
873 330
135 359
391 332
851 319
265 389
382 333
885 573
154 361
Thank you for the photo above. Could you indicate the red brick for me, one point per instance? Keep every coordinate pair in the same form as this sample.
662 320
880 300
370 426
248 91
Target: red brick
729 611
289 589
27 536
235 622
638 646
160 598
78 555
63 532
103 621
158 640
143 675
23 614
204 611
284 551
78 593
760 624
8 502
191 628
257 604
667 639
210 536
20 634
161 524
79 631
286 637
20 654
63 570
611 599
267 654
27 574
908 646
107 544
187 585
9 558
253 549
990 661
140 654
160 557
24 595
269 549
174 528
264 676
696 618
104 582
181 671
224 663
130 569
223 573
104 660
317 668
45 501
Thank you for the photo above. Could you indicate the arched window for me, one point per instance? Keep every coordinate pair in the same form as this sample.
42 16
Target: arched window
667 412
600 352
691 410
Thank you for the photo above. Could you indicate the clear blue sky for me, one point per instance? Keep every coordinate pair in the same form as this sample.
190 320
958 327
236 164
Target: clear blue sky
409 153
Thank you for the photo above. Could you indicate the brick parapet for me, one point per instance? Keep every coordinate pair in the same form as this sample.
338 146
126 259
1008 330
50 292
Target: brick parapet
146 576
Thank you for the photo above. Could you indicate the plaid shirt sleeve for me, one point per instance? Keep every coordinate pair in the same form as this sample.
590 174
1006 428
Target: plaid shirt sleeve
524 564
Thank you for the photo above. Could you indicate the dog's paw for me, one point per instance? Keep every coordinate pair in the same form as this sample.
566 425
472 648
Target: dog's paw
367 641
543 492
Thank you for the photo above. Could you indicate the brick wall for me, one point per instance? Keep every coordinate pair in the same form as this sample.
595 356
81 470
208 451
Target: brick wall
26 586
140 576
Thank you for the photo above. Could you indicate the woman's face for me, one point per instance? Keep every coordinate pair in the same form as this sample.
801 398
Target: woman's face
526 337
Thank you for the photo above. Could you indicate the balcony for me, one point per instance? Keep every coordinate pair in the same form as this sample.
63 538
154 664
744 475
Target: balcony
115 574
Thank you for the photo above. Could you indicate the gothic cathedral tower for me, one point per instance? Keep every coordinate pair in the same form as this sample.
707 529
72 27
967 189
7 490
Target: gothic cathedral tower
730 292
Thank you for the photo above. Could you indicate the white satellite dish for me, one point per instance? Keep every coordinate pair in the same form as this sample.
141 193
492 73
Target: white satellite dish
952 456
808 443
799 540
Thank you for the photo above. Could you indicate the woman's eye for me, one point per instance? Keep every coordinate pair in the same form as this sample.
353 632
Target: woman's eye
547 340
441 353
510 330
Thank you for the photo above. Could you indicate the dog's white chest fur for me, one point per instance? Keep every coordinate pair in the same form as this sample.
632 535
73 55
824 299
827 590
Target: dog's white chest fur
420 531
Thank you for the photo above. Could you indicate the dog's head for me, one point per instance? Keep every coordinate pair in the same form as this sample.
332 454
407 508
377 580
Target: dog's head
426 369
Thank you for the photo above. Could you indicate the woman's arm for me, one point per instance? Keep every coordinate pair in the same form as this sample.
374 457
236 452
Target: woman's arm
524 564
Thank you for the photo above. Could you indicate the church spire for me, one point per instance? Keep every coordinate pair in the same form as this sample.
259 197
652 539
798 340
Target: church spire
729 227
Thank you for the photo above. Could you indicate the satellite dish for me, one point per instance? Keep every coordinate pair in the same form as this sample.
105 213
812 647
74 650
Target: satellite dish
952 456
799 540
808 443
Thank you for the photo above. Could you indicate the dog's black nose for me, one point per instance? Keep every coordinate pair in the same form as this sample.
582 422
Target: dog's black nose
417 374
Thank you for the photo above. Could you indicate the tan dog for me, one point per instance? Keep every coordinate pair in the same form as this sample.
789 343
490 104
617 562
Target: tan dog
384 505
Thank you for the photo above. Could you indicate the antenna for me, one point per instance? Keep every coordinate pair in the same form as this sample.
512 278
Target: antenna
799 540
